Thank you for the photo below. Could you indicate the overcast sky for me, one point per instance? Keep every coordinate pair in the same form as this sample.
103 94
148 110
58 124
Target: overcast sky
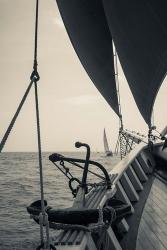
71 108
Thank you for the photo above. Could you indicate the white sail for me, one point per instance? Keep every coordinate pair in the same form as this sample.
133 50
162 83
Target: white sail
106 147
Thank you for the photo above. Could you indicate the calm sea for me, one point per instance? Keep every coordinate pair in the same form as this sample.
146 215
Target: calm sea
19 187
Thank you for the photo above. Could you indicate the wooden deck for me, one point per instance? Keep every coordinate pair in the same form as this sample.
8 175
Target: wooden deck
134 183
152 232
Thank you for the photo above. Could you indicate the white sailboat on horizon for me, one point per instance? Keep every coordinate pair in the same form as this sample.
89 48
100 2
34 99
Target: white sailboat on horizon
108 152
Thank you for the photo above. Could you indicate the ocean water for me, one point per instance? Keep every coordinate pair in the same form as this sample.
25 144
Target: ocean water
19 187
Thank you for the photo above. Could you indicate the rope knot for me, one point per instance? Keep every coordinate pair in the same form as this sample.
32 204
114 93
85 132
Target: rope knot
35 76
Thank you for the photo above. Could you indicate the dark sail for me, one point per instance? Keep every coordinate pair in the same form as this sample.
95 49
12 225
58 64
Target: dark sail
89 33
139 31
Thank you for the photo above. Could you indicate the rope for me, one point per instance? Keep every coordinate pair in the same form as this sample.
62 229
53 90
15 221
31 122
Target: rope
40 157
35 76
5 137
39 145
36 36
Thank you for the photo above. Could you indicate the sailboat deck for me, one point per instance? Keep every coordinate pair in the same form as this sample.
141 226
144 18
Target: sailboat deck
152 232
145 227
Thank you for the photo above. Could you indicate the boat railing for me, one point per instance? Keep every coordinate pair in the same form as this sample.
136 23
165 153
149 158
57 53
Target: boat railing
131 172
128 180
121 166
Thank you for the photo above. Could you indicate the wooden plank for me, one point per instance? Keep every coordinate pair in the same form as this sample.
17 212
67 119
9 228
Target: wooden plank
99 198
151 237
158 220
150 157
120 194
123 226
114 244
66 247
143 162
159 192
72 237
144 240
156 229
159 195
155 210
66 236
93 201
139 171
79 201
139 245
90 245
128 187
157 206
153 225
109 194
60 237
159 202
91 196
161 185
125 162
134 179
79 237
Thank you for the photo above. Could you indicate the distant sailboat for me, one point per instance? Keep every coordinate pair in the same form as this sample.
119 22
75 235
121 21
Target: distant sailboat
106 147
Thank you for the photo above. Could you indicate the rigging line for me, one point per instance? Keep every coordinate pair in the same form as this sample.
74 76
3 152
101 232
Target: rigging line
35 77
39 147
5 137
36 36
79 166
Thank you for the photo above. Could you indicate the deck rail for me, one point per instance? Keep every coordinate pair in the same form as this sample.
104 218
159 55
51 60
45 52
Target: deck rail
121 166
127 181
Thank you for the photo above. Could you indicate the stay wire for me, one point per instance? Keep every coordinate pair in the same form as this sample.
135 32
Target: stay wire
34 76
7 133
39 145
36 35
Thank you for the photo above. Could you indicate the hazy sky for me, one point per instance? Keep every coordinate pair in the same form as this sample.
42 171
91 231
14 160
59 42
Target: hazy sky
71 108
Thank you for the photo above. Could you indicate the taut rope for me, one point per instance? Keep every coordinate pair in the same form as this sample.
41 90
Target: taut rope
35 76
7 133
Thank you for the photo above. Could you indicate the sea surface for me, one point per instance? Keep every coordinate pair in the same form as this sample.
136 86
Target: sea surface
19 187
